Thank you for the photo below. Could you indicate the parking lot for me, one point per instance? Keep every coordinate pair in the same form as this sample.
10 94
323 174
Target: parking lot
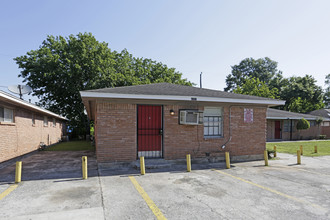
52 188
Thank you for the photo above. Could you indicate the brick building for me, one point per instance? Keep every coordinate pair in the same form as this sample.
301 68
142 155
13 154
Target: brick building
169 121
23 126
282 126
325 125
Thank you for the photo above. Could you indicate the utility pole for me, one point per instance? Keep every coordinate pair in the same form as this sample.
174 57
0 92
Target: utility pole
200 80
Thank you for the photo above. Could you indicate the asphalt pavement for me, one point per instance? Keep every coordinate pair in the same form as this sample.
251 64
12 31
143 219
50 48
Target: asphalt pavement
52 188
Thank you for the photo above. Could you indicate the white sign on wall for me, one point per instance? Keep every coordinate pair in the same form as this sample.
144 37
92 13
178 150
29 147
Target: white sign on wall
248 115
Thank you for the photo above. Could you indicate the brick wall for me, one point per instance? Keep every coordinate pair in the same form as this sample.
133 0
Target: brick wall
312 132
115 132
22 137
247 138
325 130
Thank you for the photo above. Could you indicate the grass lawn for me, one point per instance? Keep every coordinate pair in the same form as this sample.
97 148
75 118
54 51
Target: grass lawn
71 146
323 147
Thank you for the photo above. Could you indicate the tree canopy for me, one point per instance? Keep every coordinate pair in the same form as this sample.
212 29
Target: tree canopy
63 66
262 78
302 94
264 69
327 91
254 86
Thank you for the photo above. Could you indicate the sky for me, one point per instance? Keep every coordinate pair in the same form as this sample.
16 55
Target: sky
192 36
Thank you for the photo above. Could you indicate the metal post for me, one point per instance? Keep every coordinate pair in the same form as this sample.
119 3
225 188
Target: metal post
227 160
275 153
84 167
266 157
188 163
143 169
298 157
18 173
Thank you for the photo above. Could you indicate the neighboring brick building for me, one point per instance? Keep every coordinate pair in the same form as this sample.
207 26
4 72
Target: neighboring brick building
282 125
23 126
325 125
169 121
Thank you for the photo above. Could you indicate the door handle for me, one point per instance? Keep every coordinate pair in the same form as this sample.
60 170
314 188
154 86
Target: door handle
160 131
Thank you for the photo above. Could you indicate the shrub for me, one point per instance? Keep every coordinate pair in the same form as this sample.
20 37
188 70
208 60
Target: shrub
303 124
322 136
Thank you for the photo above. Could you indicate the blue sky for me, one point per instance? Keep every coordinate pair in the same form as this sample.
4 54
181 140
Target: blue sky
192 36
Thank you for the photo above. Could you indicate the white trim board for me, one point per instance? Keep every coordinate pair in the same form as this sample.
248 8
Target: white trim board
179 98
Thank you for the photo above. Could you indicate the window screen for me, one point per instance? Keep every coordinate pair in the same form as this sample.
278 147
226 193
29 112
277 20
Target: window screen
6 115
45 121
212 122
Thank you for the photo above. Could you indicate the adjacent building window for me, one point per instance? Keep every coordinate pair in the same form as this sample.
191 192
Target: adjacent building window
54 122
6 115
312 123
325 124
33 119
45 121
213 122
286 126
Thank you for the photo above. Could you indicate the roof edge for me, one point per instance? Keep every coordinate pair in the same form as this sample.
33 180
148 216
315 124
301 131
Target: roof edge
85 94
291 118
32 106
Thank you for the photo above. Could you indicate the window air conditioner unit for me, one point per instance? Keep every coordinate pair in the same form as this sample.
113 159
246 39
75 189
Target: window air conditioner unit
191 117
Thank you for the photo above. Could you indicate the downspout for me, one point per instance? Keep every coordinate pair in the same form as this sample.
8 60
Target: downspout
224 145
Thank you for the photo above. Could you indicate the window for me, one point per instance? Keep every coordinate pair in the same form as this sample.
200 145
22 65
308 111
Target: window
54 122
6 115
325 124
286 126
212 122
45 121
33 119
312 123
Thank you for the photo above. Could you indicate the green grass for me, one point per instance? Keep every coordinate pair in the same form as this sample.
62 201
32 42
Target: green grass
323 147
72 146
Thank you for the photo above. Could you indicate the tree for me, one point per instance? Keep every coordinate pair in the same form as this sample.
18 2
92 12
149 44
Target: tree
327 91
264 69
262 78
319 122
63 66
254 86
302 94
303 124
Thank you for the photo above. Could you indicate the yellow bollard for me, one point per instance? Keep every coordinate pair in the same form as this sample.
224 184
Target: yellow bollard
227 160
275 154
298 157
315 149
188 163
84 167
143 169
301 150
18 173
266 157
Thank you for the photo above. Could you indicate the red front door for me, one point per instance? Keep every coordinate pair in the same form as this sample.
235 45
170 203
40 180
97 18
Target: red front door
149 131
277 129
